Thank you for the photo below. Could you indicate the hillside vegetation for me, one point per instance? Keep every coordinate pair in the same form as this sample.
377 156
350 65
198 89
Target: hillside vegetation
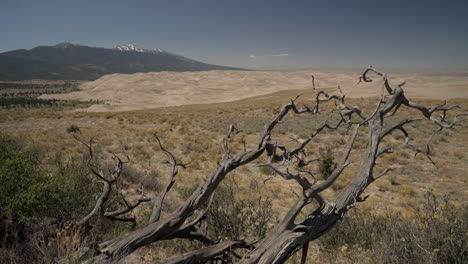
399 203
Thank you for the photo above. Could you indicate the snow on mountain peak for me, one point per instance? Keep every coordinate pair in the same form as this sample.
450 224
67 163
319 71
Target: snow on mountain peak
131 47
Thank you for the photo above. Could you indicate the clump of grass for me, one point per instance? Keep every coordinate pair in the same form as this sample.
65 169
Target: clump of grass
407 191
458 154
73 129
109 115
265 170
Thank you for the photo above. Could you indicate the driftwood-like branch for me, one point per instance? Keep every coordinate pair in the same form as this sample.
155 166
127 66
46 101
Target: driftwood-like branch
207 253
129 207
158 203
89 162
385 172
99 206
290 234
108 183
300 179
305 249
225 141
165 228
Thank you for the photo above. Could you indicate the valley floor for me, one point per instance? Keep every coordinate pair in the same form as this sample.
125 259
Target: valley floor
194 131
123 92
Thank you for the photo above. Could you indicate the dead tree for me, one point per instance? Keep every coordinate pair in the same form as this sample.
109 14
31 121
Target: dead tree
290 234
108 182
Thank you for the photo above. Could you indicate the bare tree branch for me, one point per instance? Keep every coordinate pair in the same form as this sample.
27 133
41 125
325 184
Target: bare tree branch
129 207
207 253
385 172
289 235
107 187
305 249
158 203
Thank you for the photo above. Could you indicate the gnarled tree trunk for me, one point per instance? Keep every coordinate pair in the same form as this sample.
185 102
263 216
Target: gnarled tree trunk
290 235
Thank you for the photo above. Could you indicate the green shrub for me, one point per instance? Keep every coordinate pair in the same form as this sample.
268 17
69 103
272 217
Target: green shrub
73 129
22 184
71 190
266 170
30 194
36 203
327 163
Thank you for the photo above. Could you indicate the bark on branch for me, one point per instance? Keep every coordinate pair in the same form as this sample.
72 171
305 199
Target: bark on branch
108 185
290 234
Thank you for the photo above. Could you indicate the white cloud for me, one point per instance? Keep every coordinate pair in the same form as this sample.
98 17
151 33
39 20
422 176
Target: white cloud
254 57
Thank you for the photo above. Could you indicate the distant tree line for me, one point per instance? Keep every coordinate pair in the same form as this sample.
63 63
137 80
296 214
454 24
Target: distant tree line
25 95
11 102
26 102
12 85
31 93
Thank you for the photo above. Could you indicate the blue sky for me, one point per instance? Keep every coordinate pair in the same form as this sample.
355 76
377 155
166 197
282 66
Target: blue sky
407 35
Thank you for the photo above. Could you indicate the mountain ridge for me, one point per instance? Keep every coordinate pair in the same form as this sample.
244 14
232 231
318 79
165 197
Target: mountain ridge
132 47
68 61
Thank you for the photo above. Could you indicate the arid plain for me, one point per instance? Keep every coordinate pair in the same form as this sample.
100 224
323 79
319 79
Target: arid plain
191 112
123 92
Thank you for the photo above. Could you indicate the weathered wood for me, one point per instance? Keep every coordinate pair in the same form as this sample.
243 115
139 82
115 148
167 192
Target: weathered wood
286 239
207 253
108 182
289 235
158 203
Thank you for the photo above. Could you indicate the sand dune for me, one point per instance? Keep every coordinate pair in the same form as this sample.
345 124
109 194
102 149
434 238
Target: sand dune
157 89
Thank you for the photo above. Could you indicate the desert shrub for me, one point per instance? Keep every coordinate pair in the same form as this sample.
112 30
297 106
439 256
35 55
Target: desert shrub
445 227
21 185
437 234
230 217
266 170
327 163
185 192
73 129
458 154
33 197
71 189
30 194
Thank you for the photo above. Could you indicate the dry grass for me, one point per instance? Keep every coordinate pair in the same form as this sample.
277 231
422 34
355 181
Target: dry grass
193 132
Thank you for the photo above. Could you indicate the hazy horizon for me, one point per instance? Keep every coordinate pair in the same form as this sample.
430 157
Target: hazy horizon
421 36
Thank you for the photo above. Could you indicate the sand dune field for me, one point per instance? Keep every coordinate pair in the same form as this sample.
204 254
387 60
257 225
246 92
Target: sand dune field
123 92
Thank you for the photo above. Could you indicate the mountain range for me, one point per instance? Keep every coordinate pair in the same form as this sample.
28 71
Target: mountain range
67 61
